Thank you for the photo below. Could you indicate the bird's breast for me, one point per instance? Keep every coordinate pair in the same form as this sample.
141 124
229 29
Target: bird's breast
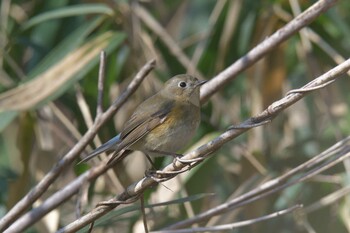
176 131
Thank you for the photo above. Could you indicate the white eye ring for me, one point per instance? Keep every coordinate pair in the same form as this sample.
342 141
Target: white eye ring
182 84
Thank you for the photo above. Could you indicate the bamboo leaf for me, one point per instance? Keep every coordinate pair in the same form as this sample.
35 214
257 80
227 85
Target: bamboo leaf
81 9
53 82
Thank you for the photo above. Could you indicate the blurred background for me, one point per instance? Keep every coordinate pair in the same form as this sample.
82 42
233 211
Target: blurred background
49 57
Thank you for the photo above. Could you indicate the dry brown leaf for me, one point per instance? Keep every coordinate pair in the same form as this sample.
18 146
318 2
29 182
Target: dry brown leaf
31 93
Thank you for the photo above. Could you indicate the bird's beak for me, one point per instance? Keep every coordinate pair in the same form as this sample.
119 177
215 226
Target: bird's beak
200 83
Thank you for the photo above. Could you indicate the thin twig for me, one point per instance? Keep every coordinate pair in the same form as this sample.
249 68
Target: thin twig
207 149
27 201
65 122
91 227
313 36
81 197
266 46
84 107
85 111
213 18
144 218
309 89
340 151
58 198
207 90
234 225
100 86
171 44
328 200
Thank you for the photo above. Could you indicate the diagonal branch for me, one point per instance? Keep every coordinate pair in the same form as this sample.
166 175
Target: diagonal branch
264 47
236 224
212 86
329 158
52 175
100 84
207 150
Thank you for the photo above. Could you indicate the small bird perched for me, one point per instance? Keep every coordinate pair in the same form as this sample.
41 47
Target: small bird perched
162 124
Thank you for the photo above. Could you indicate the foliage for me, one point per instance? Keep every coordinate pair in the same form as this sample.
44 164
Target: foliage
49 66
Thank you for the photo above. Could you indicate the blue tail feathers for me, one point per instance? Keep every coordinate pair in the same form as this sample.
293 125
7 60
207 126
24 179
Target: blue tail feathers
110 145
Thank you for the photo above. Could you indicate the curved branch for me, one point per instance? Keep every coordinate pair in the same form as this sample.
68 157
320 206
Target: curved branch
207 150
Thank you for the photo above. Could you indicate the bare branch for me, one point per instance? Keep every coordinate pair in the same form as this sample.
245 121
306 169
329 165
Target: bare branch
313 36
340 151
328 200
207 90
264 47
204 151
100 85
173 47
84 107
234 225
144 217
51 176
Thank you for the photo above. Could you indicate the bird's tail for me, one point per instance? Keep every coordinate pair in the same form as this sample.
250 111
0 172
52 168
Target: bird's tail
110 145
118 156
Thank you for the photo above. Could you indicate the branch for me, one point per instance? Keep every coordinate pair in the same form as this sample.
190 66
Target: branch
264 47
100 86
328 200
234 225
136 189
52 175
207 90
171 44
335 154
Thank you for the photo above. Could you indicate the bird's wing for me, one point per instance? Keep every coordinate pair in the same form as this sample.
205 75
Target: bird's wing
153 107
140 123
135 135
144 120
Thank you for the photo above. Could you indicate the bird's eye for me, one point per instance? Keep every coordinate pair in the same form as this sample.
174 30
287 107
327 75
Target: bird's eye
182 84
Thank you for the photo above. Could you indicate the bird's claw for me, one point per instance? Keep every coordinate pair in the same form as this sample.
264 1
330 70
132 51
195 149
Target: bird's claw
160 176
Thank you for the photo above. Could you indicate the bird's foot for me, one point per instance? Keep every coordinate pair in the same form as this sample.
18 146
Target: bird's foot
161 176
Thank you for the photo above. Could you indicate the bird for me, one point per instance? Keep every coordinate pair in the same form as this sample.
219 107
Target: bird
162 124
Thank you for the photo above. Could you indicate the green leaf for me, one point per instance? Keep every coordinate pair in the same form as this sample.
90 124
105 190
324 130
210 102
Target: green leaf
70 43
56 80
58 53
6 118
81 9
